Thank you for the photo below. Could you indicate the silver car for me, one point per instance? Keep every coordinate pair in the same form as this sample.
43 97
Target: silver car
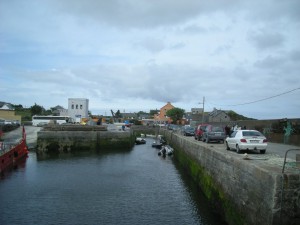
247 140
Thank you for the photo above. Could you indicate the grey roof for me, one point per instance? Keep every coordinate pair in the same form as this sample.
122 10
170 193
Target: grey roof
7 104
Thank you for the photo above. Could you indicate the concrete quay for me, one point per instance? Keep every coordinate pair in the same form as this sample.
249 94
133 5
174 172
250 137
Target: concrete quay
59 139
251 191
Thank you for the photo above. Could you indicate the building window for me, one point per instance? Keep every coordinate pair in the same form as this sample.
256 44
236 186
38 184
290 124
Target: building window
72 106
80 106
76 106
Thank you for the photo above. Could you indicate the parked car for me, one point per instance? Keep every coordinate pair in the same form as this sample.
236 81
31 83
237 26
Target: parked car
199 131
247 140
213 133
188 131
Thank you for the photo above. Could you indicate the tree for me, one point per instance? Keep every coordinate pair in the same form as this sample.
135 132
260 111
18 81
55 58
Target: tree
18 107
153 111
175 114
36 109
234 116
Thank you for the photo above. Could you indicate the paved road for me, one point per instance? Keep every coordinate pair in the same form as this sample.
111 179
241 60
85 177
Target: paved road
273 149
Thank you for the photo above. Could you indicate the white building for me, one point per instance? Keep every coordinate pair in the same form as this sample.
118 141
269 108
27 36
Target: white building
78 108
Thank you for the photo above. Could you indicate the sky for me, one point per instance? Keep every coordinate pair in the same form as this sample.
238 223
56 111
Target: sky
137 55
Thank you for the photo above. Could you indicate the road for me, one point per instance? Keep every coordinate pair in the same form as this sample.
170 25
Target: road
272 149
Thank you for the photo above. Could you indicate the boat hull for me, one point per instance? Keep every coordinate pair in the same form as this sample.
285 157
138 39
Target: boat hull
9 158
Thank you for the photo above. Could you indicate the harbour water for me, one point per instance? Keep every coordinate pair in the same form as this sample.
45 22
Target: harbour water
124 187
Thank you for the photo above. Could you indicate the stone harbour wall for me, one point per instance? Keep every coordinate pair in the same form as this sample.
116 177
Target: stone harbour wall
252 192
51 142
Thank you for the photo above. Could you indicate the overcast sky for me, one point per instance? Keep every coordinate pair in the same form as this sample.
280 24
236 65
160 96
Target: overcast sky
137 55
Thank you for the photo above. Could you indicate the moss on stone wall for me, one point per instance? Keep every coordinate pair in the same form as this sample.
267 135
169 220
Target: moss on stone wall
210 189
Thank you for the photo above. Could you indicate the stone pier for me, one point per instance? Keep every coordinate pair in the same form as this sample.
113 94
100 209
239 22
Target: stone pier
76 138
251 191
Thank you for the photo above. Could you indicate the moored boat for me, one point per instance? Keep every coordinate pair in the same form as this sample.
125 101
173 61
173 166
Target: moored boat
139 141
166 150
12 153
169 150
156 144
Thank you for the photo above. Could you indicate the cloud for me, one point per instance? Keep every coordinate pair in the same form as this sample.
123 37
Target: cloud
139 54
264 40
153 45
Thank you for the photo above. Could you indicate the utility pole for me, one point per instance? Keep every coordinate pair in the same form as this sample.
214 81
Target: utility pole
203 101
203 109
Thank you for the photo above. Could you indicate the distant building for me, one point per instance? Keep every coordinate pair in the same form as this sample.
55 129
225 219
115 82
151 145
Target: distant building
161 116
197 110
144 116
129 116
6 106
78 108
218 116
59 111
7 112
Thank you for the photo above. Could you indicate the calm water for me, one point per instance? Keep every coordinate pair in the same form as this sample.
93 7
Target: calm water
133 187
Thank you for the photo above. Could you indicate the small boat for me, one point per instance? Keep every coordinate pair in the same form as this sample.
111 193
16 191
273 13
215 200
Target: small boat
140 141
162 151
12 153
169 150
157 144
166 150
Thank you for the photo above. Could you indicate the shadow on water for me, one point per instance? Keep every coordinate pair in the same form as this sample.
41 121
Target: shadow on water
204 209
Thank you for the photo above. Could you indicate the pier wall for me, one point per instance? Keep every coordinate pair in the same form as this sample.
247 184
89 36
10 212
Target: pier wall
59 139
252 192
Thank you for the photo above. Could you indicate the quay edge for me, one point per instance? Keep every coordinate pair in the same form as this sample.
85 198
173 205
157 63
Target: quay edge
60 139
247 192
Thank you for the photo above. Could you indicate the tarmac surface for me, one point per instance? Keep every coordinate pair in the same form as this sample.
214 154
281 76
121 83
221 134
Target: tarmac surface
274 155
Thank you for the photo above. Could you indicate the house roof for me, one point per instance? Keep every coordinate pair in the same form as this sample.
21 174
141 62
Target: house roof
8 105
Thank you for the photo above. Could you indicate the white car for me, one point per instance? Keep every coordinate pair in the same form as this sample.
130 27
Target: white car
247 140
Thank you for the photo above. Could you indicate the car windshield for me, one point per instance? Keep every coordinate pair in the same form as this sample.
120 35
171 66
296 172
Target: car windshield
252 133
217 129
190 129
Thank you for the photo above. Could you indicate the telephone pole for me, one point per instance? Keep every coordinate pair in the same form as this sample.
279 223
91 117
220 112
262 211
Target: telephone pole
203 109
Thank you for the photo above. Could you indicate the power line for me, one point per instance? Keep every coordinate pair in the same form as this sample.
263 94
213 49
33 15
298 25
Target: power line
260 100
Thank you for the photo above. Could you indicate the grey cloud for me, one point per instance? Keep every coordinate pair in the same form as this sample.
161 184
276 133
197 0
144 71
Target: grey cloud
273 10
222 49
178 45
141 13
295 55
263 40
269 62
153 45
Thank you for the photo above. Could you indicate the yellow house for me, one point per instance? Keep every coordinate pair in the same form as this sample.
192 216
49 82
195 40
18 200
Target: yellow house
9 115
161 116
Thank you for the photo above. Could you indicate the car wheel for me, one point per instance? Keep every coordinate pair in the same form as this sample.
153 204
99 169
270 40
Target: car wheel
238 150
227 147
262 151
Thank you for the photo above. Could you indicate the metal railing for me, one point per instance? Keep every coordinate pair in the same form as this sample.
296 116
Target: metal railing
297 164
